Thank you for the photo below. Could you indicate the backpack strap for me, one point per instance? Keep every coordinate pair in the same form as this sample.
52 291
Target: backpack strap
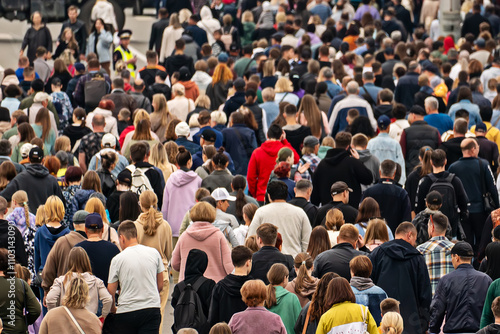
432 177
450 177
181 286
198 283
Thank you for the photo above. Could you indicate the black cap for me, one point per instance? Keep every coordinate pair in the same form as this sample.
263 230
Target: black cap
434 198
124 177
239 84
184 74
93 221
125 34
463 249
209 135
36 155
339 187
417 110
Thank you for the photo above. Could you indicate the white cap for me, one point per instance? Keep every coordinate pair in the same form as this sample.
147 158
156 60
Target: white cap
25 150
108 140
182 129
221 194
41 97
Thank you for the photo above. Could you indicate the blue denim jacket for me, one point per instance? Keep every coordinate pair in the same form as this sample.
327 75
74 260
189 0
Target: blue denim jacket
386 148
371 298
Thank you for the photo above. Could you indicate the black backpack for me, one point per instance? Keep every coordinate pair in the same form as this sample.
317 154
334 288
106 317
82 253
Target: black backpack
188 312
447 191
95 88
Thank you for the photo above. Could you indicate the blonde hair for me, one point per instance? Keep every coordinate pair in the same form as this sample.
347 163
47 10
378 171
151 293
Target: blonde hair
78 262
139 115
184 15
309 109
21 198
193 121
158 158
247 16
174 21
280 17
268 68
222 73
392 323
161 108
94 205
218 117
203 101
151 218
54 209
179 89
283 85
77 293
334 220
40 217
203 212
62 143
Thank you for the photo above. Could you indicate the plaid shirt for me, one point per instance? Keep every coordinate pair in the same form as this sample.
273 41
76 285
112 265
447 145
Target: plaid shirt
438 262
314 160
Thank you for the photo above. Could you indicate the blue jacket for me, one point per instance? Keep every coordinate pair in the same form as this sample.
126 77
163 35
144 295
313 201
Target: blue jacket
199 35
239 149
104 41
460 296
406 89
467 170
234 103
44 240
218 136
370 298
193 148
473 109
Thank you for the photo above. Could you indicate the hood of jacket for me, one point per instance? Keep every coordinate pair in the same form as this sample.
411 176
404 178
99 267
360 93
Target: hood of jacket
10 80
202 77
271 148
196 264
49 237
280 293
335 155
206 13
308 288
232 284
181 178
364 155
200 231
37 170
188 84
82 195
399 250
104 112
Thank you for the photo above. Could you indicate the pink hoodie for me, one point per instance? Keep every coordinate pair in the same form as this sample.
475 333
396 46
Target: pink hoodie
178 197
208 238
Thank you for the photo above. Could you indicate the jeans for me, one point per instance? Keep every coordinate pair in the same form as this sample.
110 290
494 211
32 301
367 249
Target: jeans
145 321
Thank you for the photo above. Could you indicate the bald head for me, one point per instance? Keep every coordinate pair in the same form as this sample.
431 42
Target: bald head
352 88
98 121
470 148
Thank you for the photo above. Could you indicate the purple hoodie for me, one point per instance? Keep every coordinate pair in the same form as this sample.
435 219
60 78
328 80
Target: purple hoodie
178 197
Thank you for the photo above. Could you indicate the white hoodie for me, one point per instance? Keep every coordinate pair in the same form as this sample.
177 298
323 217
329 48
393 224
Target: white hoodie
208 23
104 10
111 125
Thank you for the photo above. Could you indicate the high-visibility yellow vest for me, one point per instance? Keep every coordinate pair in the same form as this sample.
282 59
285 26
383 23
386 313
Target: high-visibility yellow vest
127 55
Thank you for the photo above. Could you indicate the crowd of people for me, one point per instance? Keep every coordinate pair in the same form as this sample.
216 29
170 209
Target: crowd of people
290 166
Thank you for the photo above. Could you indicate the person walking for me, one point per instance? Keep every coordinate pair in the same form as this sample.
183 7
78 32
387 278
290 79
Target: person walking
38 35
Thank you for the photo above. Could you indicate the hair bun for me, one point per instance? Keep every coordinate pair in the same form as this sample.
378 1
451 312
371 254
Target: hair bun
221 150
181 149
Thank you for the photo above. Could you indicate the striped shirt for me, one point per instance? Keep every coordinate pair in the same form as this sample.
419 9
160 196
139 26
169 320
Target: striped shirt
438 262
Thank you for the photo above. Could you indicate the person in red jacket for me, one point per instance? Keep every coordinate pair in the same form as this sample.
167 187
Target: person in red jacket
263 160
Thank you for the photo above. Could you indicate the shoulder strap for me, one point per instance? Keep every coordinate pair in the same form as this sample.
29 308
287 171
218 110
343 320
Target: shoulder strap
199 282
450 177
432 177
74 320
251 60
181 286
369 97
24 300
496 123
306 323
283 97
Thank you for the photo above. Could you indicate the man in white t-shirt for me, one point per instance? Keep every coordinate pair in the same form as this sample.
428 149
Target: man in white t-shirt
138 270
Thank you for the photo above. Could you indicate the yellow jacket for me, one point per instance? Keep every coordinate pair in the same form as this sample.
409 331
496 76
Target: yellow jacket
492 133
345 313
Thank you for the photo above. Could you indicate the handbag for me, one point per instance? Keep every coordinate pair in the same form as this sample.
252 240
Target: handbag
488 202
74 320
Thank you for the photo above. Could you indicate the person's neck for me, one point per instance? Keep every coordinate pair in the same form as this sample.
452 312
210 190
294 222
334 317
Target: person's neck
130 243
79 227
432 112
497 321
436 170
240 271
290 120
121 187
98 129
359 148
458 135
468 155
435 234
51 224
94 237
72 21
302 196
278 201
179 52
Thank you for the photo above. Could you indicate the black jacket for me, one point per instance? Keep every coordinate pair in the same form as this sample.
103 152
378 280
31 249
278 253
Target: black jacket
175 62
296 137
239 149
234 102
218 94
157 33
488 150
310 209
338 165
35 174
348 211
400 270
393 201
159 88
406 89
460 296
336 260
413 138
263 260
471 24
383 109
226 299
452 149
20 252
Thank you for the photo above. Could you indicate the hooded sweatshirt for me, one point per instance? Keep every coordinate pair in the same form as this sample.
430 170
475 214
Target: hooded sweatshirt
45 238
35 174
287 307
192 91
110 127
208 23
307 291
226 299
261 165
371 162
178 197
204 235
202 79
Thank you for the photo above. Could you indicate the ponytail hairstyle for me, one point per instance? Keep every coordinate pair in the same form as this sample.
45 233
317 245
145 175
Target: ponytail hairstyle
80 115
334 219
276 276
303 263
21 198
425 154
151 218
392 323
239 183
220 160
183 156
108 159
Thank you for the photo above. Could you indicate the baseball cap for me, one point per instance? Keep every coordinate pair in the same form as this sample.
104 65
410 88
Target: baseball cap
430 67
481 127
182 129
184 74
383 122
36 154
310 141
223 57
389 51
79 217
124 177
239 83
339 187
108 140
434 198
221 194
25 150
41 97
209 135
480 42
93 221
417 110
462 248
79 67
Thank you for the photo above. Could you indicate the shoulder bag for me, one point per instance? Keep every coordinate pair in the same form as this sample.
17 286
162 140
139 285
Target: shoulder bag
488 202
74 320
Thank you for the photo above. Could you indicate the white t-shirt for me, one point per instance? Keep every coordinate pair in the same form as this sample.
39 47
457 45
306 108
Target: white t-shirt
136 269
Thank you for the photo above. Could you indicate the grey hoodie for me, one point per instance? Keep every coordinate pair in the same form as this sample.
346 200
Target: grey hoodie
372 163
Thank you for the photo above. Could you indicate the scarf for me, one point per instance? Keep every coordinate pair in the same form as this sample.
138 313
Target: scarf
361 283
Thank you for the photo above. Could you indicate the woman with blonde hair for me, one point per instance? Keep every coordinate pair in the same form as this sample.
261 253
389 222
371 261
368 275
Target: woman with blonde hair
161 116
268 75
171 33
333 222
248 23
311 116
172 149
279 300
221 82
142 133
26 223
72 316
154 231
95 205
284 92
304 285
158 158
376 233
392 323
44 131
125 137
40 217
79 266
47 234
